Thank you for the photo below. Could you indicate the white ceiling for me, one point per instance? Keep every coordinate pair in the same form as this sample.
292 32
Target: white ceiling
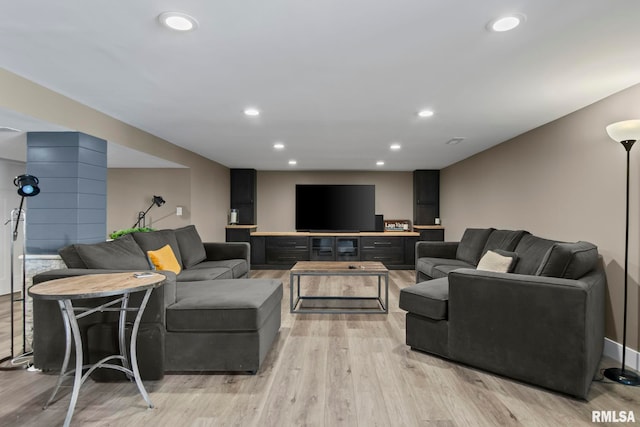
337 80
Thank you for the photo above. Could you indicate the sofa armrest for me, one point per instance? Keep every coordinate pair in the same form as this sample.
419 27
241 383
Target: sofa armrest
428 249
218 251
542 330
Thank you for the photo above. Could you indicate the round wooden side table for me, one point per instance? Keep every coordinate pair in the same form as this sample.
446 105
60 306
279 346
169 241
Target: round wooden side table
116 285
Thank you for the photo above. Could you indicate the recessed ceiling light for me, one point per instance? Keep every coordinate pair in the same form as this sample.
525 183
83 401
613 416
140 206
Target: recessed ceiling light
425 113
278 146
178 21
251 112
293 162
506 23
395 146
379 163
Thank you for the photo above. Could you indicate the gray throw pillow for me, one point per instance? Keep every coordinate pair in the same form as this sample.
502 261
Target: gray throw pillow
71 258
569 260
191 246
119 254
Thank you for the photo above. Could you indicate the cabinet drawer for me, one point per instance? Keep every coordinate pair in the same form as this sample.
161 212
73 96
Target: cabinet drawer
393 256
284 242
284 257
381 242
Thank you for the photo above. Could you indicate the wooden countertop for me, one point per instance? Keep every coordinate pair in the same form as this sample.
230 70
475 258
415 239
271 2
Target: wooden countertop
429 227
338 234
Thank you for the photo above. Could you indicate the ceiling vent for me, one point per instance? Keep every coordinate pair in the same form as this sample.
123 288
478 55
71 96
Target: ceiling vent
454 141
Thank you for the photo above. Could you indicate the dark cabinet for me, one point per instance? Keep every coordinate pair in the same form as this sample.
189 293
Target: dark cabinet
283 251
388 250
258 251
286 250
347 249
426 196
432 235
334 248
240 233
243 194
323 248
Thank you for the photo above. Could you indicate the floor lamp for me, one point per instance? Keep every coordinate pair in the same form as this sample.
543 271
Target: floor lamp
27 187
626 133
158 201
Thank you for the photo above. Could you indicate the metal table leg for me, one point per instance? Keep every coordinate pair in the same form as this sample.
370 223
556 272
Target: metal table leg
134 354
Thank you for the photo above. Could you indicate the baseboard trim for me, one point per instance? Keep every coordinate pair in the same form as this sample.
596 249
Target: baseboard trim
613 350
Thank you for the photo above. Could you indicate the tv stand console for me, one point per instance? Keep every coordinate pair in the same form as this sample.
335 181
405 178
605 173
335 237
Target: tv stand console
281 250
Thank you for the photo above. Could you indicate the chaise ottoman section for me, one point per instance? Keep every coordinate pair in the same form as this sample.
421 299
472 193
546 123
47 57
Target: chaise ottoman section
426 304
222 325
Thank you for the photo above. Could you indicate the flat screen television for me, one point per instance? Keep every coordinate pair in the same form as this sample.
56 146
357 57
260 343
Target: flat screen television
340 208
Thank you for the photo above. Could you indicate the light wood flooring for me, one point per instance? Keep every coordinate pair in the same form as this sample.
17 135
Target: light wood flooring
323 370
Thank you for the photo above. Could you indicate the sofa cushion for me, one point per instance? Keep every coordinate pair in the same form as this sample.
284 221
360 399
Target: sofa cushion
191 246
428 299
154 240
164 259
443 270
472 243
224 305
506 240
531 251
119 254
71 258
498 261
428 266
197 275
569 260
239 267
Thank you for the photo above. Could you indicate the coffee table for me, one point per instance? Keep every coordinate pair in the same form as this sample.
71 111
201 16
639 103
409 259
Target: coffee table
116 285
338 268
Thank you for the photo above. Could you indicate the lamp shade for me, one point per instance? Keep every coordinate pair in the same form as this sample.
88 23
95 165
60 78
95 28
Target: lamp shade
27 185
628 130
158 200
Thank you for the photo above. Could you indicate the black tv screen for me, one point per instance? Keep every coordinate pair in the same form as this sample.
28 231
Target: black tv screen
335 207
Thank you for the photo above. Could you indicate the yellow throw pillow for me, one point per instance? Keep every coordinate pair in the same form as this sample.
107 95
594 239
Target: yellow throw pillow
164 259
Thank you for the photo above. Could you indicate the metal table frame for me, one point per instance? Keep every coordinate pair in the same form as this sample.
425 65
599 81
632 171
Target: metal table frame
384 305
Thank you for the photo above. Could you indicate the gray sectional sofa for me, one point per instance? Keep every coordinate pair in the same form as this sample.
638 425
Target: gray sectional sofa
542 322
208 317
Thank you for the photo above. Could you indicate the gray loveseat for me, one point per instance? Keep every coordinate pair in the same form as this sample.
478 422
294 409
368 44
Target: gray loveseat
209 317
541 323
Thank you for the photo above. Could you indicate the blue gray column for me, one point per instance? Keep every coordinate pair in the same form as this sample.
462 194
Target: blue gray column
72 204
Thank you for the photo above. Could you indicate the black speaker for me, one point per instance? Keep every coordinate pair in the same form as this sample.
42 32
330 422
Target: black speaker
379 223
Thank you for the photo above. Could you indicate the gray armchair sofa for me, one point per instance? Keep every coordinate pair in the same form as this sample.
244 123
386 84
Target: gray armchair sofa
542 323
208 317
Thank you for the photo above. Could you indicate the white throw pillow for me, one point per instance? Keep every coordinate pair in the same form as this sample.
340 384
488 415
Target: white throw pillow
492 261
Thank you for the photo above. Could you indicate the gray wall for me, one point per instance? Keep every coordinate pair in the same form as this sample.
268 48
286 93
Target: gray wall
131 191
